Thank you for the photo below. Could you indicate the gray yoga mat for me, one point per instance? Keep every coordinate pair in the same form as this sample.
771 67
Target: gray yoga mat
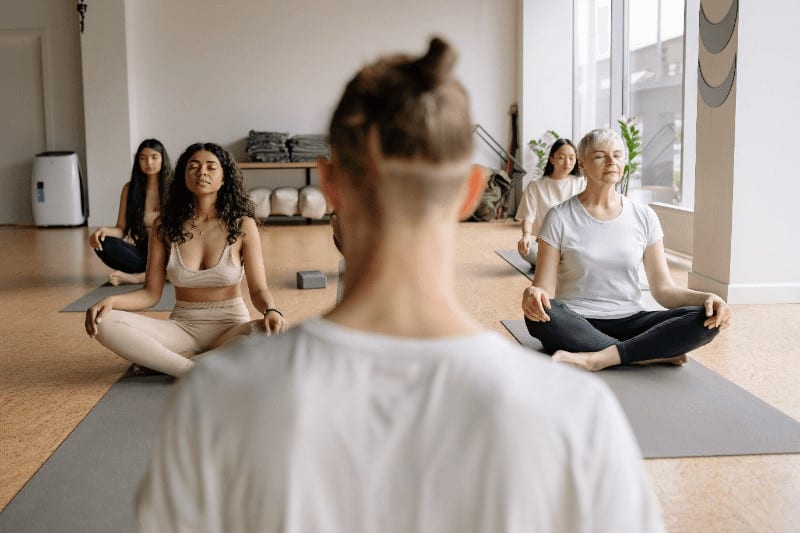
690 411
166 303
89 482
513 258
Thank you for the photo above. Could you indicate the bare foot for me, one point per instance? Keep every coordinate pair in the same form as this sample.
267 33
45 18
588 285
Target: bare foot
123 278
580 359
678 360
591 361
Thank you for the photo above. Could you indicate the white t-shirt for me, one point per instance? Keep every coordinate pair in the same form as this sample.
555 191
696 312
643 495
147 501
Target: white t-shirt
598 276
328 429
542 194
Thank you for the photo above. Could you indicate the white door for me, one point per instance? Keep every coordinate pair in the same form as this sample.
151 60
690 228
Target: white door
22 127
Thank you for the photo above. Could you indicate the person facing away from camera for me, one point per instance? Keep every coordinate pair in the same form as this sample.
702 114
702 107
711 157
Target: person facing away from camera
397 411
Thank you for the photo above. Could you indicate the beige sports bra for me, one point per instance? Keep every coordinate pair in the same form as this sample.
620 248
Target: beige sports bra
223 274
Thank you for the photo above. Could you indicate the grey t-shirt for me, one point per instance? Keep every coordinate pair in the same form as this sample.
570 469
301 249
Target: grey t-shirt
598 274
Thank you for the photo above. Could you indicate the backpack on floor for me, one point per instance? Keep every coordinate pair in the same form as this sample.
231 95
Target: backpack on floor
493 202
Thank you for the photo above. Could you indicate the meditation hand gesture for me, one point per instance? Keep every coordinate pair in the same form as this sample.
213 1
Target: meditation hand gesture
274 322
717 311
95 314
97 237
524 244
534 303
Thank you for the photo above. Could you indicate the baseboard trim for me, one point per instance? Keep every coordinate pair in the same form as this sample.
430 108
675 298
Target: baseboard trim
747 293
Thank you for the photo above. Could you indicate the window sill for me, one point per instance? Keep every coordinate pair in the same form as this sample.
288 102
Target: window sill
677 223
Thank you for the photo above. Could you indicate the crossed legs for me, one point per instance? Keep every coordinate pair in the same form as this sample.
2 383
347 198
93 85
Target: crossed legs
643 338
128 260
168 345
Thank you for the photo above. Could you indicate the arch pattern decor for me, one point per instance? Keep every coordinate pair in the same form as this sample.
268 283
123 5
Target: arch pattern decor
715 37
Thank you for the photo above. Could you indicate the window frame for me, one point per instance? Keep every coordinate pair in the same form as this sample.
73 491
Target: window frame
619 87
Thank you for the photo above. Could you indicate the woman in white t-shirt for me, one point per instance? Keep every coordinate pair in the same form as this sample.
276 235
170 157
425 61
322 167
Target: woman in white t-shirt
561 180
585 301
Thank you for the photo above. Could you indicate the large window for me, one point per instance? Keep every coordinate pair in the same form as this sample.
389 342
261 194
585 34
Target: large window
629 63
592 49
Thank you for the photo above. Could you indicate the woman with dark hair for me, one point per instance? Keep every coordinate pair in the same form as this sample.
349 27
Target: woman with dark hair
560 181
124 247
204 243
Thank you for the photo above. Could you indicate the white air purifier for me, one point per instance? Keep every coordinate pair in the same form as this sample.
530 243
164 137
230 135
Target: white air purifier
57 192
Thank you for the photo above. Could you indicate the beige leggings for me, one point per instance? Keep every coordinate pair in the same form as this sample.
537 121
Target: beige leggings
166 345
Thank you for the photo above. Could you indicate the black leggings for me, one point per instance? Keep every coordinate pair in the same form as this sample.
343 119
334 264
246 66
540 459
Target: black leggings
642 336
122 255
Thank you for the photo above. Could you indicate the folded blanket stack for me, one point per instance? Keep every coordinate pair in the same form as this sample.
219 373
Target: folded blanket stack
267 147
308 147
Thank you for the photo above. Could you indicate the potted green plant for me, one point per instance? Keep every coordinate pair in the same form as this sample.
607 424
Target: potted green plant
632 137
540 147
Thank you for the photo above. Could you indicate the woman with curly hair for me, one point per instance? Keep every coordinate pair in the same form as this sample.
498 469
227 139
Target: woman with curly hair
124 247
205 242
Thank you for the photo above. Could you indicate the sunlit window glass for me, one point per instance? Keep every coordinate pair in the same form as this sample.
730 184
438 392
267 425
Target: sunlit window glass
655 75
592 95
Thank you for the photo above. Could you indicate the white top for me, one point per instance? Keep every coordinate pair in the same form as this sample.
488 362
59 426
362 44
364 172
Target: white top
542 194
328 429
598 276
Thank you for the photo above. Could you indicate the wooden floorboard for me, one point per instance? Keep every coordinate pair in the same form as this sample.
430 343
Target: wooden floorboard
51 374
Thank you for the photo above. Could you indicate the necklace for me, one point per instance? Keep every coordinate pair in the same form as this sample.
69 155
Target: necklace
200 229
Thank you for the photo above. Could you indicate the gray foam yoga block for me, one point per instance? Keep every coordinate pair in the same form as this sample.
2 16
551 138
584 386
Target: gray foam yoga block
311 279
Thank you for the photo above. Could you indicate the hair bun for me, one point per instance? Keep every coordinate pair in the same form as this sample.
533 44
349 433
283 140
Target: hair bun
437 64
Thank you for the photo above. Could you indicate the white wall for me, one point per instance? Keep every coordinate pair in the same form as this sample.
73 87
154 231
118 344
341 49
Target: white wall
57 22
546 74
207 70
107 108
765 249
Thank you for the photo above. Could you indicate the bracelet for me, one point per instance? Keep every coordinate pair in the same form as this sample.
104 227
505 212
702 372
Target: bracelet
273 309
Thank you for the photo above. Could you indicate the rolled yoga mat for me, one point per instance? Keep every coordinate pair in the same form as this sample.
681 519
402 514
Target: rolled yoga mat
689 410
166 303
89 482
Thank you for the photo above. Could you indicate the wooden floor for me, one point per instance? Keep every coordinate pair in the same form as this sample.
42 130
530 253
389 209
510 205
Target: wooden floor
52 374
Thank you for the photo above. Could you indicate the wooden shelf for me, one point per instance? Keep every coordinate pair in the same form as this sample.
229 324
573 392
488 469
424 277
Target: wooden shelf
295 219
307 165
